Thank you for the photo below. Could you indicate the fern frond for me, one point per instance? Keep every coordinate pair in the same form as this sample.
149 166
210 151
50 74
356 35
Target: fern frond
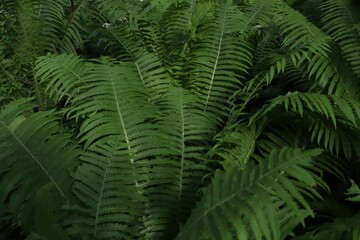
149 65
72 39
35 155
333 130
180 24
306 45
115 102
217 58
277 136
344 227
258 15
267 44
150 34
339 24
46 218
50 19
63 74
176 178
329 75
299 101
112 199
353 192
123 143
236 146
56 27
299 34
333 139
251 203
319 103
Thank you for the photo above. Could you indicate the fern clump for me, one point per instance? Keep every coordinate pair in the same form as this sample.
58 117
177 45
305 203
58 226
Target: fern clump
180 120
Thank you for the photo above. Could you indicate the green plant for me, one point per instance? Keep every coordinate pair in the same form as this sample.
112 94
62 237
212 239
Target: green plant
184 120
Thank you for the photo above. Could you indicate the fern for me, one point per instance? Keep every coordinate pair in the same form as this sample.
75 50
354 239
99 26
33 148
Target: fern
325 134
316 57
176 177
339 23
183 19
324 131
63 74
112 99
197 119
306 39
118 133
148 65
37 157
236 147
328 75
341 227
112 202
72 39
246 205
315 103
50 19
214 76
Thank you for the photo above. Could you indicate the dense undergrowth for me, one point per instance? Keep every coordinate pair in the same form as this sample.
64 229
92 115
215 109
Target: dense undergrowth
188 119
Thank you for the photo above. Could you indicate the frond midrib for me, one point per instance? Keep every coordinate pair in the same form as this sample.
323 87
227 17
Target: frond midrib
140 73
253 16
122 122
72 71
76 11
100 198
182 146
217 58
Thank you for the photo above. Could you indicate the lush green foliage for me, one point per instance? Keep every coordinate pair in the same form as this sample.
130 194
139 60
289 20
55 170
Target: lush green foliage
189 119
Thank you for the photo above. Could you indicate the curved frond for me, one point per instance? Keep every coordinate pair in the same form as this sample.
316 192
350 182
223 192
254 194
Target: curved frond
331 107
300 36
308 46
253 203
353 192
333 130
277 136
329 74
56 26
63 74
333 138
123 141
35 155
